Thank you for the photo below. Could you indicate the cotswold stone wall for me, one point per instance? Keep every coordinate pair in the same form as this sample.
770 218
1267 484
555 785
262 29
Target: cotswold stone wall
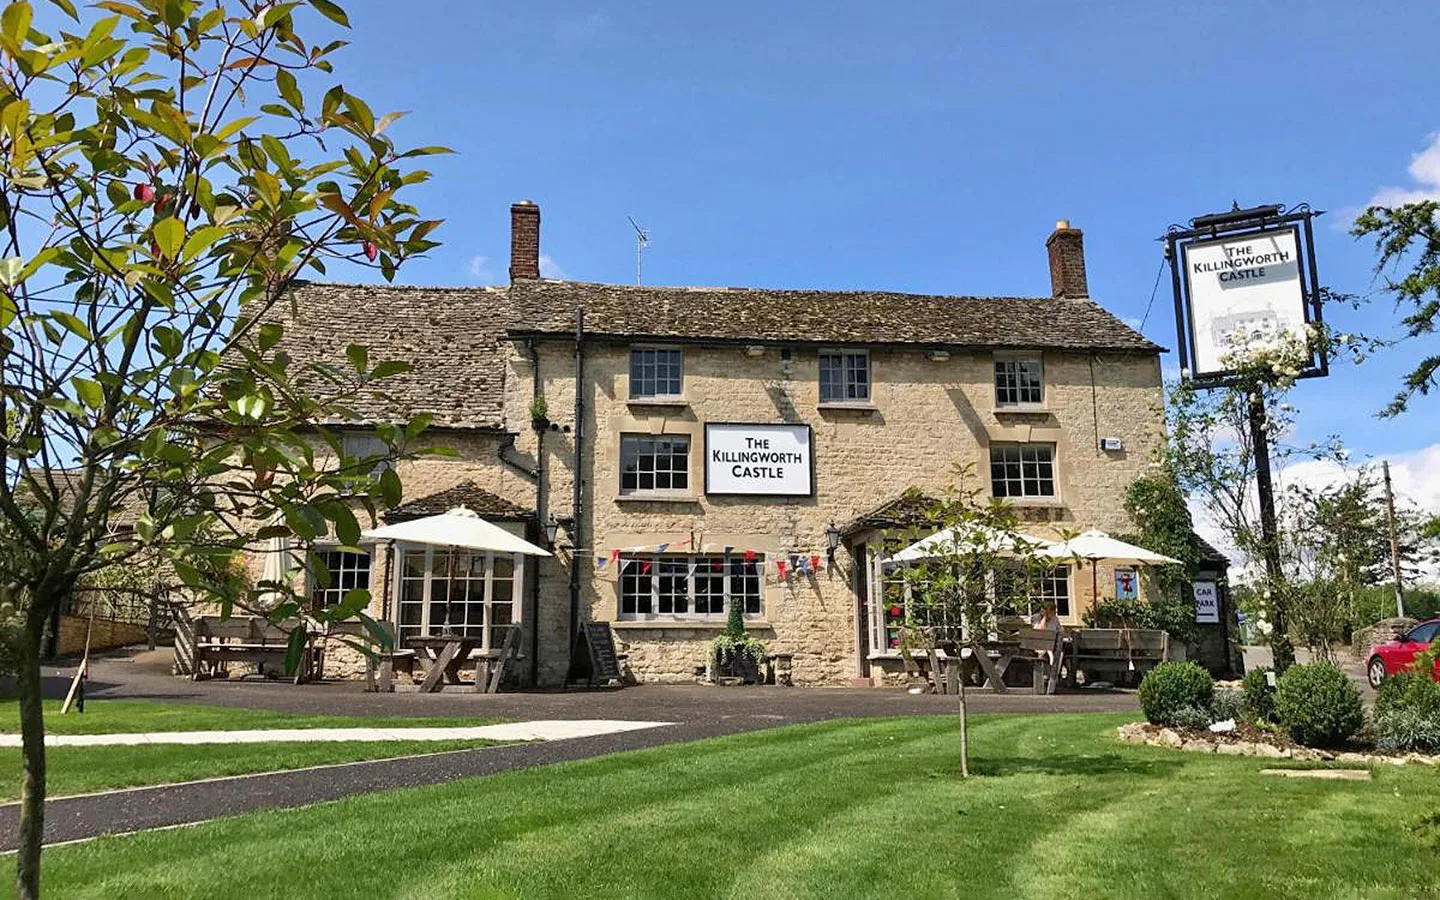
927 418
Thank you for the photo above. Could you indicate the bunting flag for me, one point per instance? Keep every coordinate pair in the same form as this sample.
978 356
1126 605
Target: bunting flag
662 548
815 562
615 555
645 567
600 562
780 568
749 556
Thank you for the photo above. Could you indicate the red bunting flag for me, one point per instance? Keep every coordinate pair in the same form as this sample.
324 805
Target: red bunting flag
749 555
615 555
645 567
815 562
780 567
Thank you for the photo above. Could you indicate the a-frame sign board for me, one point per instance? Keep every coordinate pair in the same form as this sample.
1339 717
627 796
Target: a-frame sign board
593 659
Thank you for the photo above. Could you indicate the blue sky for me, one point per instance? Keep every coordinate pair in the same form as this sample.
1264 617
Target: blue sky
915 146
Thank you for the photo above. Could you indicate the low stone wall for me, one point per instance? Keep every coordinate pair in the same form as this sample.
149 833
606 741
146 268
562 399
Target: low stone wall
1155 736
1380 632
104 635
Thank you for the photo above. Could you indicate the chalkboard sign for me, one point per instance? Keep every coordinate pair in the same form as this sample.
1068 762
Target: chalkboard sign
596 661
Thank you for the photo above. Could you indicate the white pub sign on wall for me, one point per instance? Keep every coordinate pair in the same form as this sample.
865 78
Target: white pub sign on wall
763 460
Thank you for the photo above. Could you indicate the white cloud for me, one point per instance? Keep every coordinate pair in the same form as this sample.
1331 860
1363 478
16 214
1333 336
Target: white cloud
1424 170
1414 474
549 268
480 269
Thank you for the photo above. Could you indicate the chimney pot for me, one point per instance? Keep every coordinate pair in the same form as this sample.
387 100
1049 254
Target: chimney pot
524 240
1066 247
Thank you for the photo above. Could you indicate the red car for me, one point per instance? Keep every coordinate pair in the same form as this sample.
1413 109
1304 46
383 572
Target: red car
1396 655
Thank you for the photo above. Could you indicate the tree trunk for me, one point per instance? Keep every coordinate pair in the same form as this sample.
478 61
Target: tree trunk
32 778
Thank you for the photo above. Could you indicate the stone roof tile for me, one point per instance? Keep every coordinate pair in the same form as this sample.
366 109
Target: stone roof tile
450 336
843 317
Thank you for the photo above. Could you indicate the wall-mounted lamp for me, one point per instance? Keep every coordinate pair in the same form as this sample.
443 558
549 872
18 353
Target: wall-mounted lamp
937 355
754 350
553 526
832 537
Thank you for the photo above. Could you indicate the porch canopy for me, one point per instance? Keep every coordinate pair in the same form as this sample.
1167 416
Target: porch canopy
459 528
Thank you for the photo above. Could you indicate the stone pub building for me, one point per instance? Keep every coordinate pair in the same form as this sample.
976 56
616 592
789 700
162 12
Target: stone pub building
706 446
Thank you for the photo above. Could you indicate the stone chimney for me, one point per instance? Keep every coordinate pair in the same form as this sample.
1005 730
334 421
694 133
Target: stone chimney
525 240
1067 261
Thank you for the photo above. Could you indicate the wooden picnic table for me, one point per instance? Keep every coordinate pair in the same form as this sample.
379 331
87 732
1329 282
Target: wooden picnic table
444 655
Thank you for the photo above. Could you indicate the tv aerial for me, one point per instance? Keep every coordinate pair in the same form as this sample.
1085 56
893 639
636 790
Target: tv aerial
642 240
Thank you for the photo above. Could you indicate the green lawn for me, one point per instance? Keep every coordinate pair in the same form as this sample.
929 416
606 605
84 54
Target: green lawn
78 770
843 809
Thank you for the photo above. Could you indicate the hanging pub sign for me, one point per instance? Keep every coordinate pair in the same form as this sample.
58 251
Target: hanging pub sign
1245 282
765 460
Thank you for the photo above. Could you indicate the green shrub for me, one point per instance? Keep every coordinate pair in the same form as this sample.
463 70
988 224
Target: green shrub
1174 686
1193 718
1411 691
1318 705
1227 704
1399 728
1259 695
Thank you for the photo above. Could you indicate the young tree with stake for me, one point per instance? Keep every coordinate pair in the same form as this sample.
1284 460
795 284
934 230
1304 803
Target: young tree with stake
952 570
169 171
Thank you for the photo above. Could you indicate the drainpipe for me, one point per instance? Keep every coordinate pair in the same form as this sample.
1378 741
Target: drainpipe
540 509
576 501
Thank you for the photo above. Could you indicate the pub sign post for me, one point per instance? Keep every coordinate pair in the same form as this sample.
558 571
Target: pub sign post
1248 275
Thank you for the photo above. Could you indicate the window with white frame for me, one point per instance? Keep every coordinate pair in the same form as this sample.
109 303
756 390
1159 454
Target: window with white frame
1022 471
333 573
1020 595
1019 381
359 444
654 463
689 587
899 602
656 372
844 376
444 592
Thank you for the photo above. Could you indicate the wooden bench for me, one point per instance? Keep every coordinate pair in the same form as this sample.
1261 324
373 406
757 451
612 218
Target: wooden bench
1122 654
216 642
1046 650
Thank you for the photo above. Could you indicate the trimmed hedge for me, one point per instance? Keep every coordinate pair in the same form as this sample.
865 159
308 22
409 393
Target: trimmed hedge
1259 694
1172 687
1318 705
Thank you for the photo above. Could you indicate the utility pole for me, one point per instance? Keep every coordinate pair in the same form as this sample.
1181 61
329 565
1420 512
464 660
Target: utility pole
1280 646
1394 542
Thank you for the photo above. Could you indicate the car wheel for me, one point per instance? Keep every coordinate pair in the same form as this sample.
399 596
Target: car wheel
1376 672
